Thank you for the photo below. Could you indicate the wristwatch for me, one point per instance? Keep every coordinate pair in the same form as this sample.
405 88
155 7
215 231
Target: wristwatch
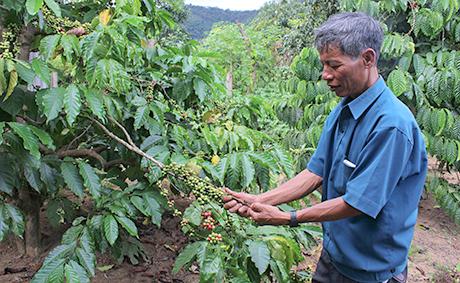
293 221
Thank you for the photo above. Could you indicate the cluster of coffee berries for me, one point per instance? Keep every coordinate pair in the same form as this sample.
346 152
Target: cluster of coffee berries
208 222
10 46
184 222
182 114
202 190
164 185
149 93
171 204
62 24
214 238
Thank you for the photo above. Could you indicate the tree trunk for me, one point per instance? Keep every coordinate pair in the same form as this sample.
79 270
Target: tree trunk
30 204
229 81
251 54
28 200
26 39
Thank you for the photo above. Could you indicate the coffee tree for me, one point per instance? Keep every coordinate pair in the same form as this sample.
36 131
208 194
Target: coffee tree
104 122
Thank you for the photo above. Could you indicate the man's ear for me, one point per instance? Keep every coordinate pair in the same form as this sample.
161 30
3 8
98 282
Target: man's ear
369 58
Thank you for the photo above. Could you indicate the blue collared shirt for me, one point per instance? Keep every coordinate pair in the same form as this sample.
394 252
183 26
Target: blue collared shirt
372 154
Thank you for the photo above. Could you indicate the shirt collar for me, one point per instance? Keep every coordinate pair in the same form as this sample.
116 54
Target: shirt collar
358 105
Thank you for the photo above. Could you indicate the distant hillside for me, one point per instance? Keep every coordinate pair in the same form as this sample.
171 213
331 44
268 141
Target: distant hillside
200 19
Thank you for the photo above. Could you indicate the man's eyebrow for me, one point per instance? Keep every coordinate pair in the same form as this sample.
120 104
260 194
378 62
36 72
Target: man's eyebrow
330 62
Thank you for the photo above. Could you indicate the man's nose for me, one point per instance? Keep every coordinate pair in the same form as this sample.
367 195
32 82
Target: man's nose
326 75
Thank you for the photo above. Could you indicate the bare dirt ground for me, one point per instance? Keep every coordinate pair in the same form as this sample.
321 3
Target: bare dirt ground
161 247
434 255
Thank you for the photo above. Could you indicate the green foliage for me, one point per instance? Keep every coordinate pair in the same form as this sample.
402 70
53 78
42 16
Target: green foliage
30 140
294 22
303 107
33 6
260 255
74 258
447 195
188 255
244 52
90 179
129 76
252 254
307 67
398 82
53 136
396 45
11 221
72 103
110 229
52 102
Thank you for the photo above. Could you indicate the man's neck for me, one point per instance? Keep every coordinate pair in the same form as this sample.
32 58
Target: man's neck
373 77
370 81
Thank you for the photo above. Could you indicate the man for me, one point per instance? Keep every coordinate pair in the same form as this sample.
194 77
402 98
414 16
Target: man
371 162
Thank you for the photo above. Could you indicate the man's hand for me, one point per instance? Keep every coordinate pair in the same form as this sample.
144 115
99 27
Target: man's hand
268 214
233 202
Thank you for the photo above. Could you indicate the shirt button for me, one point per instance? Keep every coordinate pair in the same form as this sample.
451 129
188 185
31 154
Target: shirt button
392 270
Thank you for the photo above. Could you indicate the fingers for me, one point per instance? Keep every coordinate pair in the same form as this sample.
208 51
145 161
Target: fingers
235 202
243 211
252 214
257 207
230 192
235 208
230 195
227 198
229 204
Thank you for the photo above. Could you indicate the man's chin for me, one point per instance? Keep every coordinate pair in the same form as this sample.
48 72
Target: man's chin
340 93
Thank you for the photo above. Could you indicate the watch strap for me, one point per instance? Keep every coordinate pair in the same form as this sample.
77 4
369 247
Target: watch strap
293 220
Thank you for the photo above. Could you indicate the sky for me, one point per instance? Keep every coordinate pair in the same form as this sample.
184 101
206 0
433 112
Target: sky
229 4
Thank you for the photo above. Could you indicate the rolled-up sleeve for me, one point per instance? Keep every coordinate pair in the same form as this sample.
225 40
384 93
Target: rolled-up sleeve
380 165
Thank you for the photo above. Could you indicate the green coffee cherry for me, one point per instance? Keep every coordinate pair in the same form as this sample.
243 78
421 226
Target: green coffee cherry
202 190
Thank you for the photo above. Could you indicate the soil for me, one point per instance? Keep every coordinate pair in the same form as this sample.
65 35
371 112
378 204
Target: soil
434 255
161 246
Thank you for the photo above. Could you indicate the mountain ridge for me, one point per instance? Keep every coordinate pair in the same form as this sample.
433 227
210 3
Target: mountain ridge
201 19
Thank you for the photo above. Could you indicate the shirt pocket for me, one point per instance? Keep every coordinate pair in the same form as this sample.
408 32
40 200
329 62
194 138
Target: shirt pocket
345 169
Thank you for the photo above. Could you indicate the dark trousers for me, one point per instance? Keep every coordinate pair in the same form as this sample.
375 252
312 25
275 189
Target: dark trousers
327 273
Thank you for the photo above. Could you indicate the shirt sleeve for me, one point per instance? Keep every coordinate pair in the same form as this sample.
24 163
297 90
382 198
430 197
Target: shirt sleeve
380 165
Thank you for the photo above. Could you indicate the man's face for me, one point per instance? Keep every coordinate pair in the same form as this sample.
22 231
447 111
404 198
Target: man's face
344 75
